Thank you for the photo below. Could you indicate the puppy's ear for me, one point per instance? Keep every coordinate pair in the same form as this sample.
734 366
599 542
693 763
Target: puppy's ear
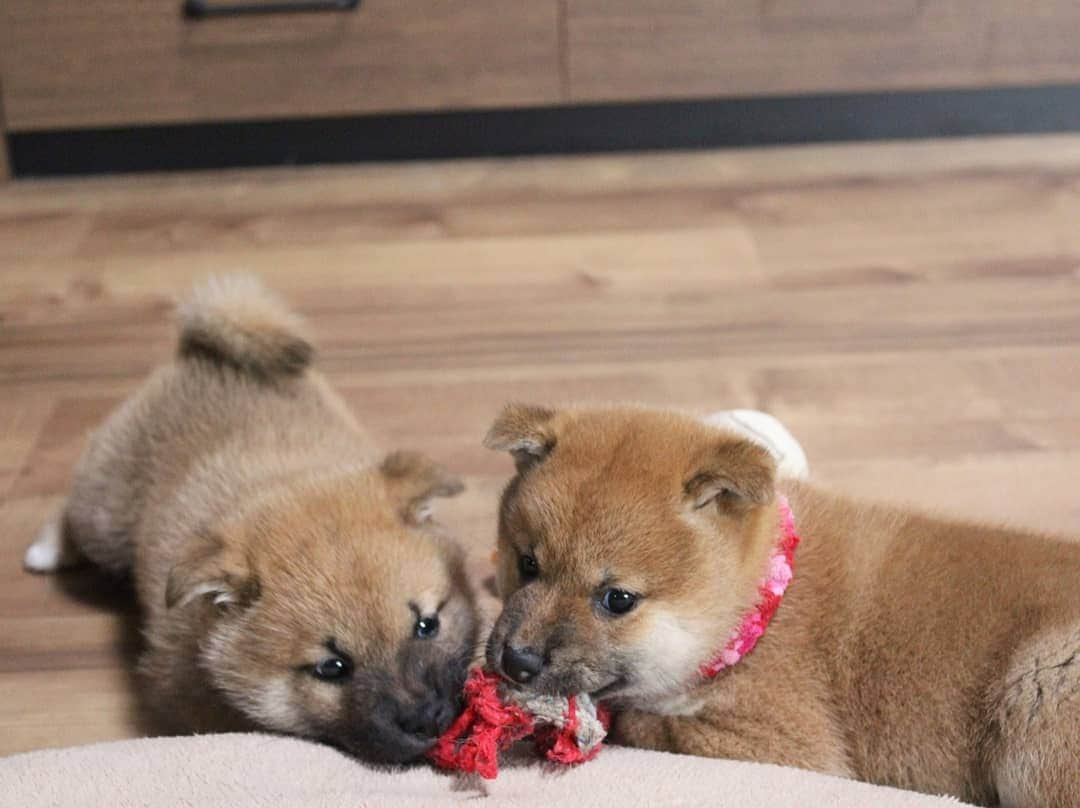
735 474
525 431
209 568
413 480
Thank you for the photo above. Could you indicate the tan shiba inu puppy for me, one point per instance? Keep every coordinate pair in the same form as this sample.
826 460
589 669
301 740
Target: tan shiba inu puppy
906 650
291 579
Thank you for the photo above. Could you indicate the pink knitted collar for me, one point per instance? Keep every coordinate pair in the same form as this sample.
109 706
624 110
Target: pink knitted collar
770 593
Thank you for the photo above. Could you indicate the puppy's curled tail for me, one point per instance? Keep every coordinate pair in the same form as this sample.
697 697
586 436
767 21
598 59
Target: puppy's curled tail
235 321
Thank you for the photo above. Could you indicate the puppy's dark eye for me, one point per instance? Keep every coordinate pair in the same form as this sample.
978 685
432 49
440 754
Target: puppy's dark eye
332 669
618 601
527 567
427 627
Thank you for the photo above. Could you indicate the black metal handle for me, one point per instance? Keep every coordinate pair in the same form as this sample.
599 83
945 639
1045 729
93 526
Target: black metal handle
201 9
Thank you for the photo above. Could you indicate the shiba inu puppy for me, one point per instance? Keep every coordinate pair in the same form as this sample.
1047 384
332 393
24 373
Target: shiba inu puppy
657 563
291 578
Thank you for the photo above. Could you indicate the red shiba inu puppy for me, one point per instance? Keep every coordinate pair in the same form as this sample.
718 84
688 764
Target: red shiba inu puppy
291 577
657 563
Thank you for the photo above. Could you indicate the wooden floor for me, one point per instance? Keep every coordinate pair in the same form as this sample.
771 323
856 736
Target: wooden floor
912 311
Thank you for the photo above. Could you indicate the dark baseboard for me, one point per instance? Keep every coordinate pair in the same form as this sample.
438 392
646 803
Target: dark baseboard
551 130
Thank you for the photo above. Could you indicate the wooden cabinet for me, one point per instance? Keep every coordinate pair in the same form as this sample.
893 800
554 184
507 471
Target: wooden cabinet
128 64
86 63
621 50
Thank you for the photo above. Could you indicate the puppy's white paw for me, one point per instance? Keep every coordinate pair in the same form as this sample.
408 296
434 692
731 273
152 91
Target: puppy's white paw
769 433
48 553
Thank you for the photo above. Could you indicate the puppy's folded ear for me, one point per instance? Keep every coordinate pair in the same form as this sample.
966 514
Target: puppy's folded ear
735 474
209 568
413 480
525 431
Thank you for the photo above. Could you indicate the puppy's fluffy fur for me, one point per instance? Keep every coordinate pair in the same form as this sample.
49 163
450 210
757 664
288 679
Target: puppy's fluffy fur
290 577
910 651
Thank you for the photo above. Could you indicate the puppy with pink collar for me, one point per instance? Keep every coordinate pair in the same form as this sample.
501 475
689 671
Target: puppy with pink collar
677 572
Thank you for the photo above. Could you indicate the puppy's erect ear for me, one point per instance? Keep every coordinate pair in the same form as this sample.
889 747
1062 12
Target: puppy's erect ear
209 568
734 473
414 479
524 430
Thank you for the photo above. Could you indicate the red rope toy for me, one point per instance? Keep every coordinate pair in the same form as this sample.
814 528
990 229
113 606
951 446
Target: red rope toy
565 730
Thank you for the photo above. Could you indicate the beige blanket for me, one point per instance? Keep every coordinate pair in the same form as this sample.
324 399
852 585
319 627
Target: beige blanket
272 772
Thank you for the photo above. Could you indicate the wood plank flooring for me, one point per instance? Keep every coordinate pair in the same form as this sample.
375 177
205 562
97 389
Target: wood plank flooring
911 310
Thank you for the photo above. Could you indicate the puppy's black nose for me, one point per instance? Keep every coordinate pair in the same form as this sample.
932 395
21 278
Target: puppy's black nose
429 718
521 664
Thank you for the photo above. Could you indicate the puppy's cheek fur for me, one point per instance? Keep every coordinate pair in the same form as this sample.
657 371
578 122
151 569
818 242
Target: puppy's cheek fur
220 655
273 703
664 654
496 638
465 650
266 698
506 581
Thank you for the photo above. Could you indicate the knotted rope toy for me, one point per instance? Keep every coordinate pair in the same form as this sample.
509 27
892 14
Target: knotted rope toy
565 730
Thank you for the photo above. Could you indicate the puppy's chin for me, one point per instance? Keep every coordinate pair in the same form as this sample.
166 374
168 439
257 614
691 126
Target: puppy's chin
617 689
395 733
621 688
385 745
628 693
